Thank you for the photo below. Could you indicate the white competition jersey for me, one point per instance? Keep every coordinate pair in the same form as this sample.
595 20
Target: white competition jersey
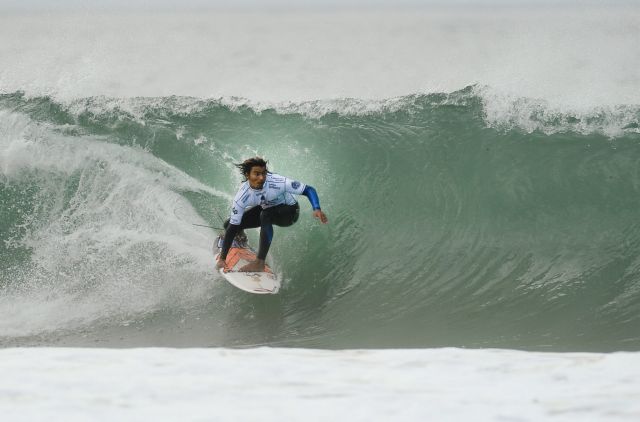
276 190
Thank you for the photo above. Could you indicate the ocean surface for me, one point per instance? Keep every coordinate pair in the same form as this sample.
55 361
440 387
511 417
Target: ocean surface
479 168
449 384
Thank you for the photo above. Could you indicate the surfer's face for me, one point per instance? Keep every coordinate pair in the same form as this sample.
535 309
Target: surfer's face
257 176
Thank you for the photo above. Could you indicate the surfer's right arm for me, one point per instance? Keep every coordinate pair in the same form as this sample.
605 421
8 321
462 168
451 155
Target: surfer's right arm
232 229
229 235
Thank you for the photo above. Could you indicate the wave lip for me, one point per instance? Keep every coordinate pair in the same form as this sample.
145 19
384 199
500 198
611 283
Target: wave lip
498 109
505 111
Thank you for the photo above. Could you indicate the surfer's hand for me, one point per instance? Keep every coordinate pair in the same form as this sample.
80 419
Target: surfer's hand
220 263
320 216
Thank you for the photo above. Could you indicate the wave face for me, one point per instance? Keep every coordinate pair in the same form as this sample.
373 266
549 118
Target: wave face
451 223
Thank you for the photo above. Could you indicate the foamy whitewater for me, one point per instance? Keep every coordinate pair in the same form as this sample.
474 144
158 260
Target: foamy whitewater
316 385
479 167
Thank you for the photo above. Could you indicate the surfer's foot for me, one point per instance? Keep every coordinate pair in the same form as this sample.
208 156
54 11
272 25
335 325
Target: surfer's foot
254 266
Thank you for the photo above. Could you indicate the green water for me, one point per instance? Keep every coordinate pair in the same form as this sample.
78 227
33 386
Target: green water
444 231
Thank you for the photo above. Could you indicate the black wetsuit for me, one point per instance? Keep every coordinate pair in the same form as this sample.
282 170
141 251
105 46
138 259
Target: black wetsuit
280 215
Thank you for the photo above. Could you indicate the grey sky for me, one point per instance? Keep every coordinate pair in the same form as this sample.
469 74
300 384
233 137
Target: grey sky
83 5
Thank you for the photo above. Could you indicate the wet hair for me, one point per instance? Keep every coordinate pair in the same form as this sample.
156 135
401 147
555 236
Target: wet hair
246 166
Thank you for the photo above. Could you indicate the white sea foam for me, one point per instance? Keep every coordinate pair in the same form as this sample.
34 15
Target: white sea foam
315 385
507 111
104 236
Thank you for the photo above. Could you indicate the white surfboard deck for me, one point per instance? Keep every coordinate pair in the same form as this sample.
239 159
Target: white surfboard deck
265 282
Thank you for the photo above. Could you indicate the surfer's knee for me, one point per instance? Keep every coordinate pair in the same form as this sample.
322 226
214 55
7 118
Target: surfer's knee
266 234
265 218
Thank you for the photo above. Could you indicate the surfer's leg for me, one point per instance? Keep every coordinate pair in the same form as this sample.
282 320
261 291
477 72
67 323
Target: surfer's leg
250 220
266 232
280 215
285 215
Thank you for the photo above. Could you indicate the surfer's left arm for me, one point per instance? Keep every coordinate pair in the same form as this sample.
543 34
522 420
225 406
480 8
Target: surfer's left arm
312 195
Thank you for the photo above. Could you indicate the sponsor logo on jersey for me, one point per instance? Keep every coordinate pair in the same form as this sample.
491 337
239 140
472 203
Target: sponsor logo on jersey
273 186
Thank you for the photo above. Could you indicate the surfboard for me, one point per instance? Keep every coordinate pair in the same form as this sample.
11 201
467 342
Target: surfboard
265 282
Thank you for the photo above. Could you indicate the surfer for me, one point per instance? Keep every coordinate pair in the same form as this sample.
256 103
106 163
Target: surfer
264 199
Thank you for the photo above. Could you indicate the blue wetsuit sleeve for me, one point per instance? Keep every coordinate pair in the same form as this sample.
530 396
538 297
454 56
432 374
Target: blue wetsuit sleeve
312 195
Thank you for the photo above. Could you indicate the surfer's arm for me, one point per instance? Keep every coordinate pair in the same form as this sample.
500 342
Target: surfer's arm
232 229
229 235
312 196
